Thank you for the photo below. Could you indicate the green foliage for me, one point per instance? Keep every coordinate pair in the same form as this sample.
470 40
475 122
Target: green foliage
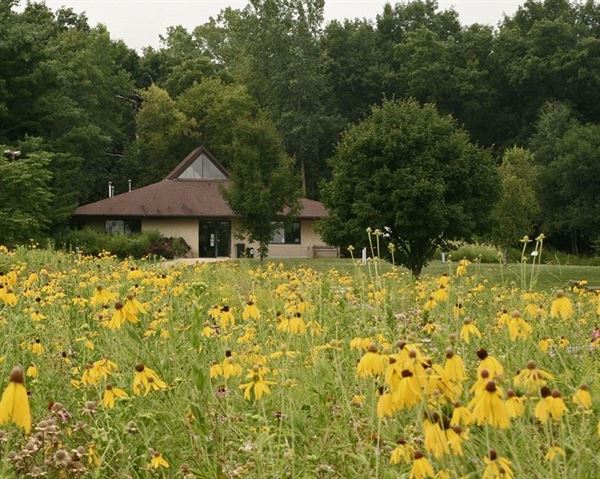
272 47
25 198
138 245
61 81
568 154
484 253
165 135
263 184
413 170
517 208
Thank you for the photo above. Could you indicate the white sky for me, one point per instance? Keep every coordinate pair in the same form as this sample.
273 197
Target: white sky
140 22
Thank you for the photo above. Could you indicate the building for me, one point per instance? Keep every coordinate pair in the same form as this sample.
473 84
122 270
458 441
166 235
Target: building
188 203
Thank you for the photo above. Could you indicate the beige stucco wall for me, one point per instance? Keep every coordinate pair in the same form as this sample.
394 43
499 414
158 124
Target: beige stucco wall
186 228
308 238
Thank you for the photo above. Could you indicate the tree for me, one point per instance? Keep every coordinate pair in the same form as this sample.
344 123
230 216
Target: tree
568 155
28 180
206 114
517 208
264 190
413 170
165 136
272 48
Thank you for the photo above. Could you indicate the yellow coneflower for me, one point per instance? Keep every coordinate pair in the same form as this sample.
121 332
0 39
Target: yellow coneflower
251 311
402 453
215 370
497 467
444 280
14 404
111 394
489 363
430 304
32 372
440 295
469 329
257 384
561 306
226 317
146 380
458 311
503 319
551 405
421 467
229 367
37 316
461 269
461 416
518 328
296 324
582 397
37 347
371 364
545 344
102 296
385 404
515 406
532 378
132 308
554 452
408 392
157 461
456 436
118 318
487 407
454 368
434 437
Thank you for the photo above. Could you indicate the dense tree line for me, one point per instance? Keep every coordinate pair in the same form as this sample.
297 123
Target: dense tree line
87 109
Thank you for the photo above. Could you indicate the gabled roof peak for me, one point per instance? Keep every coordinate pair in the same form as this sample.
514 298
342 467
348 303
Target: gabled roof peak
200 164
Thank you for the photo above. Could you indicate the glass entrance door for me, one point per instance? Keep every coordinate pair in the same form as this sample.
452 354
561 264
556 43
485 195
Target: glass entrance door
215 238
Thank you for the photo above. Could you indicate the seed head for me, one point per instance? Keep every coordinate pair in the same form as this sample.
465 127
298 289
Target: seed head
490 387
16 375
545 392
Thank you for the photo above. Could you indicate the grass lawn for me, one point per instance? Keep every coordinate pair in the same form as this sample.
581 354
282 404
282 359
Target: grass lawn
550 276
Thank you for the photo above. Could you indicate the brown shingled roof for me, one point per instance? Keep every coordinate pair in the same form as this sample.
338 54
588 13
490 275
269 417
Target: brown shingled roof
181 198
174 197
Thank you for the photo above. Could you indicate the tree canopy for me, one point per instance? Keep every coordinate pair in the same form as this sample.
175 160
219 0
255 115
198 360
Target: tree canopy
411 169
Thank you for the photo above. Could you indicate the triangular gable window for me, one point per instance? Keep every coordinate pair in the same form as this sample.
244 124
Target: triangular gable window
202 169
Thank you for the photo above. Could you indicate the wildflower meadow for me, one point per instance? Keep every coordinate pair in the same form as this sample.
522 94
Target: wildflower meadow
131 369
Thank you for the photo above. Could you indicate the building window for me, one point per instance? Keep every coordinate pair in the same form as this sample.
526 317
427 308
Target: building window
287 234
202 169
114 227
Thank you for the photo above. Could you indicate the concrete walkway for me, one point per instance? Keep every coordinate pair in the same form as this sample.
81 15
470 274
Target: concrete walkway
191 261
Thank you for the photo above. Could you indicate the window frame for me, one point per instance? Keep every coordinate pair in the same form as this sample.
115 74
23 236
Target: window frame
283 227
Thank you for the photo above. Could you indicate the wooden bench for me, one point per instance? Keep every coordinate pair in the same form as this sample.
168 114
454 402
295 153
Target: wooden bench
324 251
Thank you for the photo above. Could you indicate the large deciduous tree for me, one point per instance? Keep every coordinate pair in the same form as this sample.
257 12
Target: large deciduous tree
25 198
518 207
415 171
264 189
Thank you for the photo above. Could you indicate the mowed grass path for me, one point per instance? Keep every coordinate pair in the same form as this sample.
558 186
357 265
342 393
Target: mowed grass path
550 276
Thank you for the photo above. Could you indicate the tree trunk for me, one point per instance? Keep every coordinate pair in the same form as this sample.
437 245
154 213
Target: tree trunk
416 270
303 176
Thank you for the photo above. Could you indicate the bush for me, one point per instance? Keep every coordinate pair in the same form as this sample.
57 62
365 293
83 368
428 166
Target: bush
476 252
138 245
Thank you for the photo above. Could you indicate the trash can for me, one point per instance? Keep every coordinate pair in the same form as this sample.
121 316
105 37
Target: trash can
240 249
249 252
